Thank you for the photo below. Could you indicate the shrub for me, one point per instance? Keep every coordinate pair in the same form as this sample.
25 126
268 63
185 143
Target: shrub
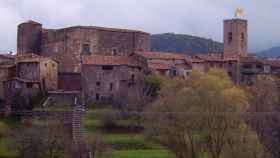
108 118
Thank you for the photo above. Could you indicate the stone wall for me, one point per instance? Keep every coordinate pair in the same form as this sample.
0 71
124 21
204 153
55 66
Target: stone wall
49 74
69 81
236 37
29 71
29 37
107 85
69 44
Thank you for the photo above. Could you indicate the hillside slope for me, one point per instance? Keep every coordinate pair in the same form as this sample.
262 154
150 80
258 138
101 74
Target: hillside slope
270 53
170 42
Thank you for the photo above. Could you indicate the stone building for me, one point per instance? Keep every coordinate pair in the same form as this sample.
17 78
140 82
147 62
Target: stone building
68 45
7 71
37 68
168 64
106 78
236 36
107 64
227 62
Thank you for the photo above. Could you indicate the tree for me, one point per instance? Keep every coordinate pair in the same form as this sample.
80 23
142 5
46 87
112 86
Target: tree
202 116
264 111
49 140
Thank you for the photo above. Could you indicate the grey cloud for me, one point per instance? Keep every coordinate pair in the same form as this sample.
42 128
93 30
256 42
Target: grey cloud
196 17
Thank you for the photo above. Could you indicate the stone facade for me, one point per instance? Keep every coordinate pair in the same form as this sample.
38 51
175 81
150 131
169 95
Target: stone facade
41 69
67 45
106 78
236 37
168 64
108 65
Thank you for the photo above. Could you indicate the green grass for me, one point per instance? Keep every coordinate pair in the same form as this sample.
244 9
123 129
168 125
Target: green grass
10 121
5 148
125 144
142 154
129 142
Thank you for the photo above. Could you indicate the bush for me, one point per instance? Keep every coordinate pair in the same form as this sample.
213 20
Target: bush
4 129
153 83
109 118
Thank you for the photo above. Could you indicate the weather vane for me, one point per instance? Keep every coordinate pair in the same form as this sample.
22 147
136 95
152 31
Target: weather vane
239 12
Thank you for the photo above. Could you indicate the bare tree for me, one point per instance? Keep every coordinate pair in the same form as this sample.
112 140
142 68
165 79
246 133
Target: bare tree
47 141
264 111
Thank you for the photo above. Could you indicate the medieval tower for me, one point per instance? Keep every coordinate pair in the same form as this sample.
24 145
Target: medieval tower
236 35
29 37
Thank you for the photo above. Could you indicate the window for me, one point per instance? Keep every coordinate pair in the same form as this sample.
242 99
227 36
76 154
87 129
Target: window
107 67
111 87
230 74
17 85
174 72
259 66
29 85
242 37
132 77
98 84
230 37
97 96
114 51
86 49
46 65
53 65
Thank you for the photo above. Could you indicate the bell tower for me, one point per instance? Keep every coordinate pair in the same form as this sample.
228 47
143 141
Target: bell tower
236 34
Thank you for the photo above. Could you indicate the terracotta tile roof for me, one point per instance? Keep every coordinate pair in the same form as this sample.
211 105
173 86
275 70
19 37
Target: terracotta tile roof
22 80
250 60
159 66
216 57
110 60
7 56
184 66
31 57
164 55
273 63
196 60
7 66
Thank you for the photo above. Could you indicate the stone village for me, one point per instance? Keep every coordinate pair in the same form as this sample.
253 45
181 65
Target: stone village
107 64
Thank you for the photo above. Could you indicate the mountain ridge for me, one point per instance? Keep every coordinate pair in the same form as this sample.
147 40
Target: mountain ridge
186 44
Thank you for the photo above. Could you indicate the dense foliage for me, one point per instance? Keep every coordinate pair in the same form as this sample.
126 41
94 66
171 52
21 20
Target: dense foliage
180 43
202 117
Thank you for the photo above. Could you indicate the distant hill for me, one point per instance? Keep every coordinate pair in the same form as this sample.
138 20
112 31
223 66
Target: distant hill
270 53
170 42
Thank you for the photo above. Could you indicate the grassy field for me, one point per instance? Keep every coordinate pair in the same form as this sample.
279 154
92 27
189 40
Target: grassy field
122 143
6 141
125 144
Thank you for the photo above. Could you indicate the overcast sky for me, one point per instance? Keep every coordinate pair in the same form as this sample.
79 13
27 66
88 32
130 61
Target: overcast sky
195 17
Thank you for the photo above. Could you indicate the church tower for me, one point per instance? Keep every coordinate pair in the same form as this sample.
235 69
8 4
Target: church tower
236 35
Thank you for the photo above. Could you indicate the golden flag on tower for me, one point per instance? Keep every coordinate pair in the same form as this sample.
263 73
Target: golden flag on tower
239 13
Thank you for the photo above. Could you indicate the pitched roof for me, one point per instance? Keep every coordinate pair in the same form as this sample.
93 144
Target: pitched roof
216 57
110 60
163 55
31 57
273 63
159 66
7 56
22 80
250 60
